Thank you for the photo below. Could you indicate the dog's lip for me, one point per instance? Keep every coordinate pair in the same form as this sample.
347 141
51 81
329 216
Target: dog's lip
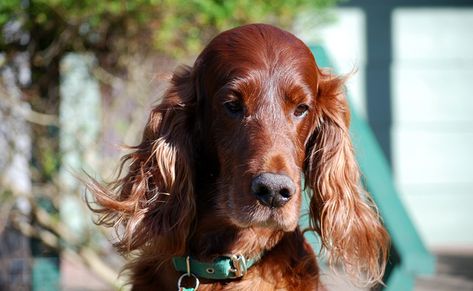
264 216
276 224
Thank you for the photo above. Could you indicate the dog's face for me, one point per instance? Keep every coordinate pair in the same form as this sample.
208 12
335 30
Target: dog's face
258 94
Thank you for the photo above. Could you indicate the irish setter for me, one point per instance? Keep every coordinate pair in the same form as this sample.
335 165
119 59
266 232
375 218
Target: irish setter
219 175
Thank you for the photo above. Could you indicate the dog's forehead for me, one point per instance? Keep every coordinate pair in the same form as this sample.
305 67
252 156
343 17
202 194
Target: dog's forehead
264 81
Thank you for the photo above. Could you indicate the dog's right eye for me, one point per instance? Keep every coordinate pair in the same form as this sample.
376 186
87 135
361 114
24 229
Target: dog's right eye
233 107
301 110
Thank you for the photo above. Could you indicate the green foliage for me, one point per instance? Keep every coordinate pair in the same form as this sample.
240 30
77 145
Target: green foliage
173 27
187 25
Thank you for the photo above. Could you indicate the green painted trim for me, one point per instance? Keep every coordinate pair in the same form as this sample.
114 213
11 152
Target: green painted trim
400 279
45 274
415 259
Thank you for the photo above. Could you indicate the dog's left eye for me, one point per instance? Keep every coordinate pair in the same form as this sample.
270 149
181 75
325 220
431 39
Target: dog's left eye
234 107
301 110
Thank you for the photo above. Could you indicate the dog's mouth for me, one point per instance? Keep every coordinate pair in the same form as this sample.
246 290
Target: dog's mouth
255 214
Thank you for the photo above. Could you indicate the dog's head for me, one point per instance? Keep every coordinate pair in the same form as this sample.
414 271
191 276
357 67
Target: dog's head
257 91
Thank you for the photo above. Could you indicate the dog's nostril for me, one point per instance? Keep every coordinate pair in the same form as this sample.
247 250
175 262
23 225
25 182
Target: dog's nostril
285 193
262 190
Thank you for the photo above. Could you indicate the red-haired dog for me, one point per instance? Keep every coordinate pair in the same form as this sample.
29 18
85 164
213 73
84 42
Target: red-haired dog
213 192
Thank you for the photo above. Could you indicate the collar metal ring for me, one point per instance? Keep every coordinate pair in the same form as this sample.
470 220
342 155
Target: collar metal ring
179 281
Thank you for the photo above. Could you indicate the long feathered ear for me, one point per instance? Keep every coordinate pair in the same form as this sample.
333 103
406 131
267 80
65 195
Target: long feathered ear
341 211
153 202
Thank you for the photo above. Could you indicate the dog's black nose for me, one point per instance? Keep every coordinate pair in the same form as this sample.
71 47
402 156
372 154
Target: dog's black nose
273 190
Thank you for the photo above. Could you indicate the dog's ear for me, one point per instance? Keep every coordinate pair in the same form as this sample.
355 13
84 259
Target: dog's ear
341 211
154 201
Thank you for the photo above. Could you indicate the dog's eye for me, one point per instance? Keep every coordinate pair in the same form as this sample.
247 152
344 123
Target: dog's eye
233 107
301 110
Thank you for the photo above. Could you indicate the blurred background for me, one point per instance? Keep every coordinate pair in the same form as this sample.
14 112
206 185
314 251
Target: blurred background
77 80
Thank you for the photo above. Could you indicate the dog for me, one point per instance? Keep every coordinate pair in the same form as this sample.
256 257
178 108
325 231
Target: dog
211 196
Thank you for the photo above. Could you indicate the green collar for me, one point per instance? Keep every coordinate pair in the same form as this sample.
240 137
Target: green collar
222 268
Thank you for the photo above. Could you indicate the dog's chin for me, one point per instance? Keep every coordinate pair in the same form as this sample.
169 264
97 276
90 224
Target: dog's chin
268 218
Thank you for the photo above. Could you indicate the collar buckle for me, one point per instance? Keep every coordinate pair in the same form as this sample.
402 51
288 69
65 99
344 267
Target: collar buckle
239 265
